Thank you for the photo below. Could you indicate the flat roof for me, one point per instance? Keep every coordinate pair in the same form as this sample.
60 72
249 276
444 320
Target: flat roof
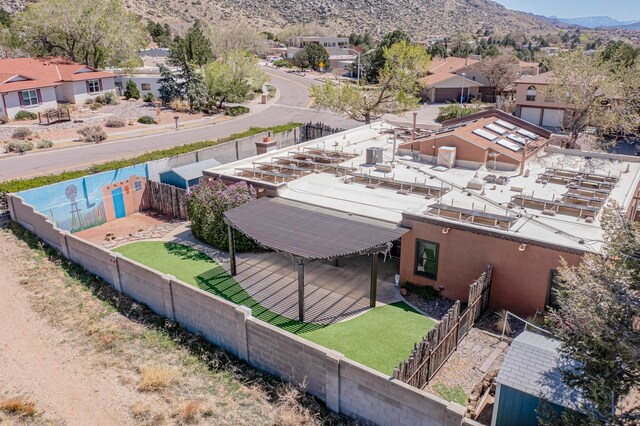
342 181
309 232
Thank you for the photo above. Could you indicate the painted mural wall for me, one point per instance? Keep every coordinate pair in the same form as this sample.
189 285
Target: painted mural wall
92 200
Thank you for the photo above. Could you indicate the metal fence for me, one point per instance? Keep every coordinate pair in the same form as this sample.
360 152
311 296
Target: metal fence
318 130
429 355
168 199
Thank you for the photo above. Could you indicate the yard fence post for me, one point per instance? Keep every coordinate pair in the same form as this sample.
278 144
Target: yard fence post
115 271
242 314
167 296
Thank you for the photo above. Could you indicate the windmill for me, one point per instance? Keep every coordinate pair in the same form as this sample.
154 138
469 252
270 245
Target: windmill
72 192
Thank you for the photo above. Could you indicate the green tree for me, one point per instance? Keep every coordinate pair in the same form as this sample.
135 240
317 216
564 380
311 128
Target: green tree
598 320
301 60
233 78
438 49
396 91
94 32
195 47
160 34
169 88
316 54
131 91
620 54
375 60
191 86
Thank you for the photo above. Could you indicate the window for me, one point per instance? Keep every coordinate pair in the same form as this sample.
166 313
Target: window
426 259
137 185
93 86
29 97
531 93
146 86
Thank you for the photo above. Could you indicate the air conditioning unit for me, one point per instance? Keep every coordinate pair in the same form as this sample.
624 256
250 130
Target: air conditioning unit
374 155
447 156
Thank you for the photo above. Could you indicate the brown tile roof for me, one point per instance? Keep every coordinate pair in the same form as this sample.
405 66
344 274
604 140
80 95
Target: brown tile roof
25 85
444 69
544 78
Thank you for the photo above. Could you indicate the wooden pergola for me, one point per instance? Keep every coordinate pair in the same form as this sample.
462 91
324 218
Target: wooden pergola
306 233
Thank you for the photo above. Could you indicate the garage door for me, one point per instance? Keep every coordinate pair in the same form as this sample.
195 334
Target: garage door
532 115
553 117
448 95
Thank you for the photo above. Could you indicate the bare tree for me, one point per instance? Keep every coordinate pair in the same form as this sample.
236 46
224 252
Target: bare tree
500 72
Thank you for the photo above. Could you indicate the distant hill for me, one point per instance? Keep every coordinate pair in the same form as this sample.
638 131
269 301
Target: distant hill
417 17
594 22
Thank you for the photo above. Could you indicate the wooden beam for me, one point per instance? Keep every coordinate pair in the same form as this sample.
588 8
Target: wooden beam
374 280
301 289
232 251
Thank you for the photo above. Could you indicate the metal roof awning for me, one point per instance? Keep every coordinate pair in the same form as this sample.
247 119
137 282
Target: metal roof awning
309 232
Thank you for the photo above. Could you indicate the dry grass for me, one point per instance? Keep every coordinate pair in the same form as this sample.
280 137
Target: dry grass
189 412
18 406
153 379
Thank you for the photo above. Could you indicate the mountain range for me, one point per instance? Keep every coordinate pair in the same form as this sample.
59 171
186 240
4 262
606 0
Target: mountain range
596 22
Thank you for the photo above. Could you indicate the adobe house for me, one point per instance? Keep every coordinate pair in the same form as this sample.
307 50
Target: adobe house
486 189
126 197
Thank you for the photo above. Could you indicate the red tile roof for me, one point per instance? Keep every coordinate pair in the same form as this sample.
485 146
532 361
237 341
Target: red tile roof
444 69
44 72
14 86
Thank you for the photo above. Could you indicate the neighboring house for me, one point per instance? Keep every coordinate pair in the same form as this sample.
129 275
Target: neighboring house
334 45
39 84
534 106
188 175
154 56
445 83
531 373
485 189
145 78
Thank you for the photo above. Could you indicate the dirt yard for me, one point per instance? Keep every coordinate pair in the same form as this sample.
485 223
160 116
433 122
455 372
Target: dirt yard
75 352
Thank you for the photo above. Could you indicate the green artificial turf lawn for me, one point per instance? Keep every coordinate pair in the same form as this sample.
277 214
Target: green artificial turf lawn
379 338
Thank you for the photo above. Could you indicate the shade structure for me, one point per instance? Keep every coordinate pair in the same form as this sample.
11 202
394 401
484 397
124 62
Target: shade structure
309 232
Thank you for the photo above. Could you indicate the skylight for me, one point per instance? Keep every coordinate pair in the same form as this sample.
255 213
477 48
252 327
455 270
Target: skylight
528 134
505 124
496 129
485 134
509 145
519 139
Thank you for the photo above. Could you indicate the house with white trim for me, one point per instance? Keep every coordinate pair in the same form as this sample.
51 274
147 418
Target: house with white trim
39 84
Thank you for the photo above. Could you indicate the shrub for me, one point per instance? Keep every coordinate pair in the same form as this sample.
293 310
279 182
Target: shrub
92 134
110 98
452 111
502 323
131 91
3 119
18 406
21 133
45 143
179 105
99 99
207 203
96 106
155 378
25 115
145 119
235 111
114 122
19 146
148 97
88 101
282 63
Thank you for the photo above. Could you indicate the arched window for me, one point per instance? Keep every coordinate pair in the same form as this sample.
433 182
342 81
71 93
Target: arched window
531 93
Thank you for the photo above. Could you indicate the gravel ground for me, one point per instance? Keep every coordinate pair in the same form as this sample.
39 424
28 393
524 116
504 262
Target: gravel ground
435 308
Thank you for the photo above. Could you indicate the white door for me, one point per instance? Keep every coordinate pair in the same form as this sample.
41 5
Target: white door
553 117
532 115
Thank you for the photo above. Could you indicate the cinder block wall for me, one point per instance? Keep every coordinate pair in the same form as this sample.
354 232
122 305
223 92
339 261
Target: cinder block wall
344 385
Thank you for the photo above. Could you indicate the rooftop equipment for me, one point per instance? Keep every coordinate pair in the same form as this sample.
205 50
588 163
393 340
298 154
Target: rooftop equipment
447 156
374 155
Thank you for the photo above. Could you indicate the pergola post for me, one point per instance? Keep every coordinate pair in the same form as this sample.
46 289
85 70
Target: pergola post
300 289
232 251
374 280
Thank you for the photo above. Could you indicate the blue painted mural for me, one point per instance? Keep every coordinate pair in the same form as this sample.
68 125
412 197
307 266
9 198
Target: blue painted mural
78 204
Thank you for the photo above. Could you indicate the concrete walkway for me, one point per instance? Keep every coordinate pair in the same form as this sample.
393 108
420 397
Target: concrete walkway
332 293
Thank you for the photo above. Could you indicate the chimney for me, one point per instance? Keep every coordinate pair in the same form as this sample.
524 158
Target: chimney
266 145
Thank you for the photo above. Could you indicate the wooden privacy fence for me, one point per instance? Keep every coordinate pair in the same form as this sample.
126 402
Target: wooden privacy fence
318 130
429 355
168 199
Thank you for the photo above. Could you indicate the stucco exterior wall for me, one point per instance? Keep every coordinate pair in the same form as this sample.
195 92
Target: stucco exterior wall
520 278
12 102
80 93
151 80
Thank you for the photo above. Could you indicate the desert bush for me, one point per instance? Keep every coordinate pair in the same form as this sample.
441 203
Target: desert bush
235 111
19 146
148 97
95 106
179 105
18 406
3 119
206 205
502 323
99 99
21 133
45 143
131 91
110 98
88 101
280 63
25 115
92 134
114 122
155 378
452 111
145 119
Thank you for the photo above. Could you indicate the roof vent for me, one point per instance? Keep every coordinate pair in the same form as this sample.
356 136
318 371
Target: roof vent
374 155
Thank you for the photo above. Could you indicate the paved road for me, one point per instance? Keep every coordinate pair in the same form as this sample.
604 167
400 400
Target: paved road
292 105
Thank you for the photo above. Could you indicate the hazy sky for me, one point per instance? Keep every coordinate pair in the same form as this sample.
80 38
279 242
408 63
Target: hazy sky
623 10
